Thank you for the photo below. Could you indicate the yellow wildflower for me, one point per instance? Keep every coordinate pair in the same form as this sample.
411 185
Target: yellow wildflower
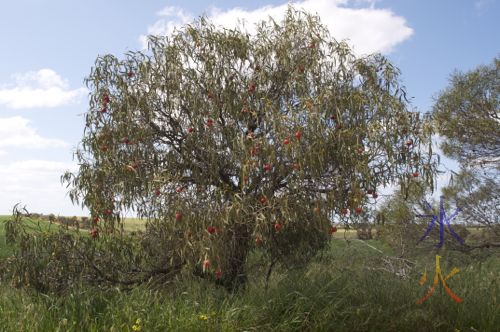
203 317
137 325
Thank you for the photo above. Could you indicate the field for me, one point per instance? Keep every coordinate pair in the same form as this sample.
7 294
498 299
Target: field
346 288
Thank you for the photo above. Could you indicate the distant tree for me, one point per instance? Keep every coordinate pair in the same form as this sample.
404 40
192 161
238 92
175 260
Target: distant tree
226 142
467 116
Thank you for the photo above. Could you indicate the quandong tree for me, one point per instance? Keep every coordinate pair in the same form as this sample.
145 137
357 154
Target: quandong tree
227 141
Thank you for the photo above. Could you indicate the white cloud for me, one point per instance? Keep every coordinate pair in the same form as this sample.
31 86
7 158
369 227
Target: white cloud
16 132
36 184
367 28
42 88
172 17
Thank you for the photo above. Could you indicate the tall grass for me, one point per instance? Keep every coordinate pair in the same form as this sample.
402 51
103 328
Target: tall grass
336 292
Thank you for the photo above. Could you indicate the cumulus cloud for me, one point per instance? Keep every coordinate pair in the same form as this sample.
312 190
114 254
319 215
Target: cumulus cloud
17 132
43 88
36 184
366 28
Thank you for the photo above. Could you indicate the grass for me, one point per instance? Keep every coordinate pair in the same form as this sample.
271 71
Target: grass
335 292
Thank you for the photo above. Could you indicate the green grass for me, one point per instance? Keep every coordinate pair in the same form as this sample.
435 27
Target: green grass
336 292
5 250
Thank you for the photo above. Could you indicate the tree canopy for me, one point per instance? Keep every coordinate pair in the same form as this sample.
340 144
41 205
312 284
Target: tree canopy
227 141
467 115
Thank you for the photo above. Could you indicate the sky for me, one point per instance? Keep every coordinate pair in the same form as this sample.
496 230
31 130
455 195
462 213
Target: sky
49 47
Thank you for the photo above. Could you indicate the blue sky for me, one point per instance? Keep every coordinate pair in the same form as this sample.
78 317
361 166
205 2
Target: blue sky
48 47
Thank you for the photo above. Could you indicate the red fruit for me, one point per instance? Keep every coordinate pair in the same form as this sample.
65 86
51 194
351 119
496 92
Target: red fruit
96 220
358 210
190 129
211 229
178 216
360 150
277 227
210 122
370 191
375 195
206 264
409 142
286 141
108 212
105 99
344 211
333 229
157 192
415 174
267 167
300 69
258 241
218 274
298 135
254 150
210 95
178 189
126 141
263 200
252 87
333 117
103 110
130 74
104 148
94 233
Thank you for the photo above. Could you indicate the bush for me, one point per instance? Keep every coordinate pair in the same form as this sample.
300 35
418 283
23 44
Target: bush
57 260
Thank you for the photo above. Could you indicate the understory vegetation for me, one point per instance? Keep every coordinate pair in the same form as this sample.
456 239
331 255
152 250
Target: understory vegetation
352 285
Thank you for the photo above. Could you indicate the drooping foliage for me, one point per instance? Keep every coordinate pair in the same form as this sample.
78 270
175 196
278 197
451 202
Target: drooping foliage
227 142
467 115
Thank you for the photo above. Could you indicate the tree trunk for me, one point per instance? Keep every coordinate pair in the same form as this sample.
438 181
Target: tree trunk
238 247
